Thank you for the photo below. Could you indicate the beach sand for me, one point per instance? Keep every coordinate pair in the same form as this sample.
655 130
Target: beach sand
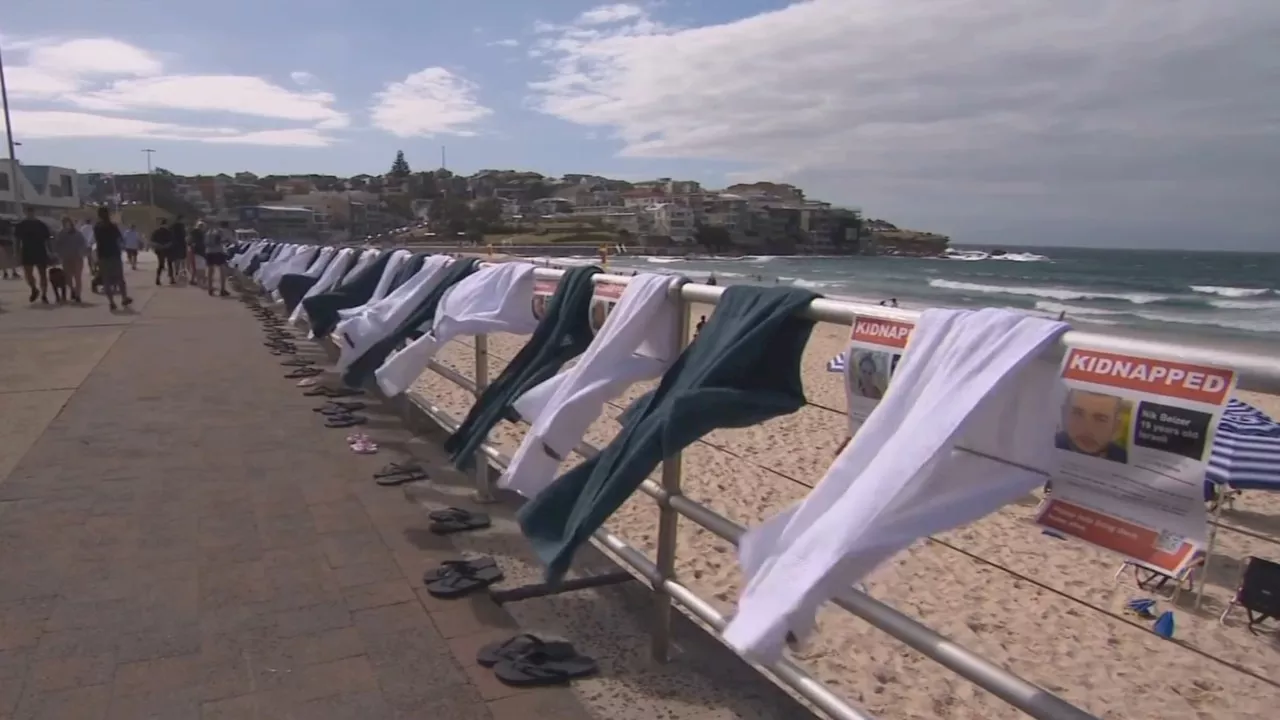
1047 609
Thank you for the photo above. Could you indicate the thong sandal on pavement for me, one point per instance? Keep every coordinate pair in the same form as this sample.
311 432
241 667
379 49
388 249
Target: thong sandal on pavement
457 578
304 372
298 362
515 647
364 446
345 421
338 408
456 520
551 664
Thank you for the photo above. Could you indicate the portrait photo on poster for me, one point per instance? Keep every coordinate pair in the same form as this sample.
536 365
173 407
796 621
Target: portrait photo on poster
539 306
600 309
1095 424
870 372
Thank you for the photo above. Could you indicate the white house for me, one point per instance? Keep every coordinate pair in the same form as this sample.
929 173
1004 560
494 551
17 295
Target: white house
51 190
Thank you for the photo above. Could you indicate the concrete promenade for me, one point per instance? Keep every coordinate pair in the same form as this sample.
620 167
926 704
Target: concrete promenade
182 539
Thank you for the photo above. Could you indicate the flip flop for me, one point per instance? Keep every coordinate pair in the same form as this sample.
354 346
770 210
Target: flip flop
457 578
364 446
284 352
356 437
456 520
304 372
392 469
345 421
515 647
548 665
402 479
343 409
298 362
326 391
483 561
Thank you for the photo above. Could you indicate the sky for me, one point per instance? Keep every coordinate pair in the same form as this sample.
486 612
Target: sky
1106 123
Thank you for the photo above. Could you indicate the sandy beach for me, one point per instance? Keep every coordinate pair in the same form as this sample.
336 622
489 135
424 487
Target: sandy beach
1048 609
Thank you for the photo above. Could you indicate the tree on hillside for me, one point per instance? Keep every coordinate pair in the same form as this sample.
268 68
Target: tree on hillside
425 186
400 168
487 212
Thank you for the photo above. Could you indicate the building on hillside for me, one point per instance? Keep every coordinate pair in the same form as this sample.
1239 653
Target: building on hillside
52 191
282 222
674 221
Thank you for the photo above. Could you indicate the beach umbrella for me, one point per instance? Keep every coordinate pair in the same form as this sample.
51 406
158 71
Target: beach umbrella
1246 450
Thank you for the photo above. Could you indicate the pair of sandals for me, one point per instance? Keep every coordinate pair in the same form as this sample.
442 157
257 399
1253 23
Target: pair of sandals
529 661
341 414
455 520
329 392
459 578
393 474
305 371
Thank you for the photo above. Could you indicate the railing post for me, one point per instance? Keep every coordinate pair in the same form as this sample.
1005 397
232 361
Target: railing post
668 524
484 485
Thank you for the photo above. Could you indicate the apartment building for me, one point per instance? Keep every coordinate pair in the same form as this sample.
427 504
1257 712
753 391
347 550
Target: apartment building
674 221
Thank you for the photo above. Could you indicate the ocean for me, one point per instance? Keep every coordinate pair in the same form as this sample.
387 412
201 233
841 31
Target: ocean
1231 296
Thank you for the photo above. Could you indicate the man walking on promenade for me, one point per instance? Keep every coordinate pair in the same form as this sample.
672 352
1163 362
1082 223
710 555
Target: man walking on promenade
178 234
132 243
216 243
33 238
162 243
109 243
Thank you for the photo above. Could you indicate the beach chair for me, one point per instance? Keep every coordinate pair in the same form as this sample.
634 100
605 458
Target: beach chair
1258 592
1153 579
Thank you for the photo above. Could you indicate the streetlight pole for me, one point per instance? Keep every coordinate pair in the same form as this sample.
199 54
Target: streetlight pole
151 189
8 131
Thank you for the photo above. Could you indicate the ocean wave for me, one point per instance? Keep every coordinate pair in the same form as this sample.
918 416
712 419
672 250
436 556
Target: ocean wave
759 258
1073 310
662 260
979 255
812 284
1246 304
1269 323
1231 292
1047 293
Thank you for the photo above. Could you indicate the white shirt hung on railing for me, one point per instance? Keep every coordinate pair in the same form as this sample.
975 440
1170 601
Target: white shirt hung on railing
966 427
637 342
496 299
397 261
317 265
292 258
332 275
356 334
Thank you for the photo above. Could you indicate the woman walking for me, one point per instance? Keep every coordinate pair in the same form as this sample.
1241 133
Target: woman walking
70 247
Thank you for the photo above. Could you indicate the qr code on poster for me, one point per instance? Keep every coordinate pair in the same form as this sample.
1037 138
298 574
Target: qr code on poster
1168 542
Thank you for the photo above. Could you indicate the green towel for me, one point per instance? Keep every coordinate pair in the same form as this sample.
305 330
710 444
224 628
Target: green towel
743 369
562 334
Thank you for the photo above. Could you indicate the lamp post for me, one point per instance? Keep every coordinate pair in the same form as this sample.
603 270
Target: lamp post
8 131
151 189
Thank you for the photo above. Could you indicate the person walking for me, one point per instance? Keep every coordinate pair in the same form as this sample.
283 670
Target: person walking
71 249
196 259
215 247
132 244
178 233
8 260
109 243
162 243
33 238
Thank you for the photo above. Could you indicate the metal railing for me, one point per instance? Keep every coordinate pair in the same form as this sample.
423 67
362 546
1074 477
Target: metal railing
1255 372
672 503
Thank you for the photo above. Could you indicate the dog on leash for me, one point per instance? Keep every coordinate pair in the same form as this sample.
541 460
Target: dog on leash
58 281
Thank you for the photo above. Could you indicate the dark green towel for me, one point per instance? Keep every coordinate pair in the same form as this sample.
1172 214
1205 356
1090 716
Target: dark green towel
364 366
562 334
353 291
743 369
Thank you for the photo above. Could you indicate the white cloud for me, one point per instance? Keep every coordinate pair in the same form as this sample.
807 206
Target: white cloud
126 86
238 94
506 42
432 101
56 124
302 77
610 14
942 108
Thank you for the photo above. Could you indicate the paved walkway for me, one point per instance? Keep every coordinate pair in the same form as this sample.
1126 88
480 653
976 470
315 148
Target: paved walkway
181 539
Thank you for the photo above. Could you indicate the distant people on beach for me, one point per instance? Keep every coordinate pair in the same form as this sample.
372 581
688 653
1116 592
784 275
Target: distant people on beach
711 279
1090 424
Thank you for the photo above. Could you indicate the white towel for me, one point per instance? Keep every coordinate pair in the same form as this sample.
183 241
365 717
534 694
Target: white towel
497 298
968 379
357 334
637 342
